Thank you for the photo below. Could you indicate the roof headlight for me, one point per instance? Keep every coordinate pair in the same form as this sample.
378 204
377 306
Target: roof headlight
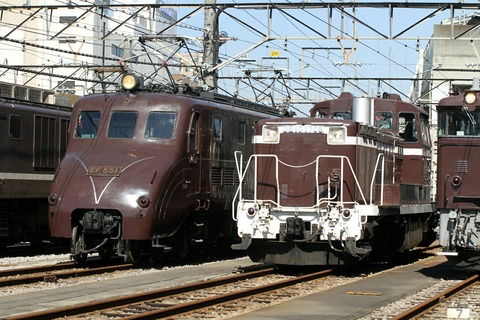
470 97
270 134
336 135
130 82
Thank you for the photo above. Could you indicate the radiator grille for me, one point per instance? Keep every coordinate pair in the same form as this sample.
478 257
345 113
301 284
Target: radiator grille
216 176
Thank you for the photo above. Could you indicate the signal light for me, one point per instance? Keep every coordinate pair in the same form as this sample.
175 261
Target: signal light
251 211
143 201
456 181
53 199
346 213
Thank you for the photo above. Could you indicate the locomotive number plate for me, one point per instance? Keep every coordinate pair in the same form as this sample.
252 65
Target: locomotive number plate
106 171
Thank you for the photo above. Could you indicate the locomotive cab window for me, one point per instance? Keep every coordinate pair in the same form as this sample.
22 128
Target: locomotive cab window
458 122
425 130
122 124
343 115
87 124
320 114
15 127
241 132
160 125
217 128
193 133
407 127
383 120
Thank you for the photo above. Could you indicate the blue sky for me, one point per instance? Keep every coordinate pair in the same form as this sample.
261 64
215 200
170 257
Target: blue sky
369 57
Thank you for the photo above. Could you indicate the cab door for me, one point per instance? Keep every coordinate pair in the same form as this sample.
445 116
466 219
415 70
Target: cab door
198 145
4 141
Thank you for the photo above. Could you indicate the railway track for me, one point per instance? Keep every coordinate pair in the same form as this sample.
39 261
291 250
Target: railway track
459 296
182 299
51 273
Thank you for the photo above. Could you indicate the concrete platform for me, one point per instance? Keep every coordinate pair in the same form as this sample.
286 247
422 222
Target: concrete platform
15 304
336 304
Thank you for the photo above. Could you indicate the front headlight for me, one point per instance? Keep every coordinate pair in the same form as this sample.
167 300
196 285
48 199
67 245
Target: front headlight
336 135
270 134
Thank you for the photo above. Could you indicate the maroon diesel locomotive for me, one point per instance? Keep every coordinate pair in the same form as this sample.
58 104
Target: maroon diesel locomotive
33 140
351 183
458 179
150 172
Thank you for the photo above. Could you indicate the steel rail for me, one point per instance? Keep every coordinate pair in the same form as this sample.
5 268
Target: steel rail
203 303
37 274
431 303
93 306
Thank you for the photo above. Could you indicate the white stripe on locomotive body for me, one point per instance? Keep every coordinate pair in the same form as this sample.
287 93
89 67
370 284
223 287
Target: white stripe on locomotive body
349 140
416 152
26 176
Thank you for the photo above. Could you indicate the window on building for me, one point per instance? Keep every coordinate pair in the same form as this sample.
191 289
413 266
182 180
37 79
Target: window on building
67 19
66 87
67 39
118 51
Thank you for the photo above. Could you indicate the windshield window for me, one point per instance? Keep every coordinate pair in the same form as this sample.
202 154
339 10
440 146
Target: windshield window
383 120
122 124
160 125
87 124
458 122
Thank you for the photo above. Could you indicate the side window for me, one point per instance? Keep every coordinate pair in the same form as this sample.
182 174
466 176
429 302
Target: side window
217 128
425 130
122 124
44 142
344 115
64 124
241 132
407 126
160 125
87 124
15 127
192 134
383 120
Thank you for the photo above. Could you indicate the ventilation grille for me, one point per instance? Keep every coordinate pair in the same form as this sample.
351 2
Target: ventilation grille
462 166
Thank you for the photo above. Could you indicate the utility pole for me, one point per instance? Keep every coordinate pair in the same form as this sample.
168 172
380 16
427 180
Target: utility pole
211 46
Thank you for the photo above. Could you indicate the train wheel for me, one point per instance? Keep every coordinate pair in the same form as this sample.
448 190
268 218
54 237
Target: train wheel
77 245
133 249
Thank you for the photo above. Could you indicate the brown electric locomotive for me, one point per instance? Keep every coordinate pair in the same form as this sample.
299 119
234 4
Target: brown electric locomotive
350 183
33 140
458 177
150 172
